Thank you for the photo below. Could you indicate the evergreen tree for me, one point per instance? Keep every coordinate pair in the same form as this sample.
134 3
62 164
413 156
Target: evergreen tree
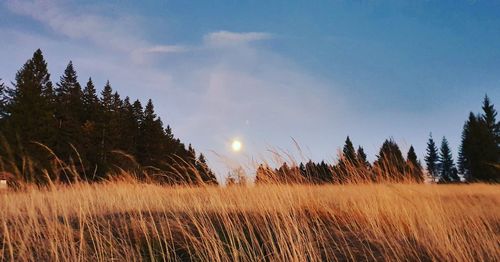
493 148
431 158
489 117
30 112
479 156
348 162
447 170
105 134
349 152
390 162
129 129
69 113
362 158
325 172
90 102
107 98
31 107
150 143
363 165
413 166
90 136
207 176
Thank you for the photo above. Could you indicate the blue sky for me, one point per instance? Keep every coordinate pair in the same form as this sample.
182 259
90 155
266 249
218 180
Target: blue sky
269 71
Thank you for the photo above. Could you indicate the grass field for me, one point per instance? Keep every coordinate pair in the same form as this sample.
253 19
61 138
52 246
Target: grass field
118 221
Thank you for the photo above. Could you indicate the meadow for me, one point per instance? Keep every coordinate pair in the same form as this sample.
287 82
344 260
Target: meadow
131 221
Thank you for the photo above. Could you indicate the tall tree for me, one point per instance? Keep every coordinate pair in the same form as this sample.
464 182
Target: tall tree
413 166
90 137
347 166
361 157
31 112
479 157
348 151
150 144
447 170
432 158
489 117
69 112
364 166
90 102
390 162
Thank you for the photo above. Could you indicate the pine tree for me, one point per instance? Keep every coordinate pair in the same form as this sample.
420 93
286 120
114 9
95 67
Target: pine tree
413 166
390 162
207 176
361 156
31 114
348 162
431 158
103 128
31 107
349 152
107 98
151 140
479 156
364 166
447 170
90 136
325 172
493 148
90 102
69 113
489 117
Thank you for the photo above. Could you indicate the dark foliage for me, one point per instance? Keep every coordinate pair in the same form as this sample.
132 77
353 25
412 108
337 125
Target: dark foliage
431 158
479 155
447 170
100 136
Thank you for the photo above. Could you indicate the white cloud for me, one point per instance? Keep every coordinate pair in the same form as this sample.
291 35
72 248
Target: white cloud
116 33
165 49
223 38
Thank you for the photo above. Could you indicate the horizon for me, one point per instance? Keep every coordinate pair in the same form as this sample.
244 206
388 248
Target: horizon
213 80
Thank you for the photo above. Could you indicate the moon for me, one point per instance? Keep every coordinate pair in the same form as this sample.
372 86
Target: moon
236 145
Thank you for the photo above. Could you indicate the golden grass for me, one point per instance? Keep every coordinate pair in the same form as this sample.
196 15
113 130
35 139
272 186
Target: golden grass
125 221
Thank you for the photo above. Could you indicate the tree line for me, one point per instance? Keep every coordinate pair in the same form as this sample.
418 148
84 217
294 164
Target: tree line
64 132
351 167
478 160
45 127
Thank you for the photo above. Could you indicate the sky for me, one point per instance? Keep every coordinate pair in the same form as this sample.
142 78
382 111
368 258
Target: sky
293 77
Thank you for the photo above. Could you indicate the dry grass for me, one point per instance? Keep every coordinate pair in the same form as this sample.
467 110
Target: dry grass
129 221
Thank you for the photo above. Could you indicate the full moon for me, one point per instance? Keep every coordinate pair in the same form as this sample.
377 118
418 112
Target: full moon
236 145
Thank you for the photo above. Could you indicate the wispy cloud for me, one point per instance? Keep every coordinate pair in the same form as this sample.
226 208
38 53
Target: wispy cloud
222 38
165 49
117 33
100 30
